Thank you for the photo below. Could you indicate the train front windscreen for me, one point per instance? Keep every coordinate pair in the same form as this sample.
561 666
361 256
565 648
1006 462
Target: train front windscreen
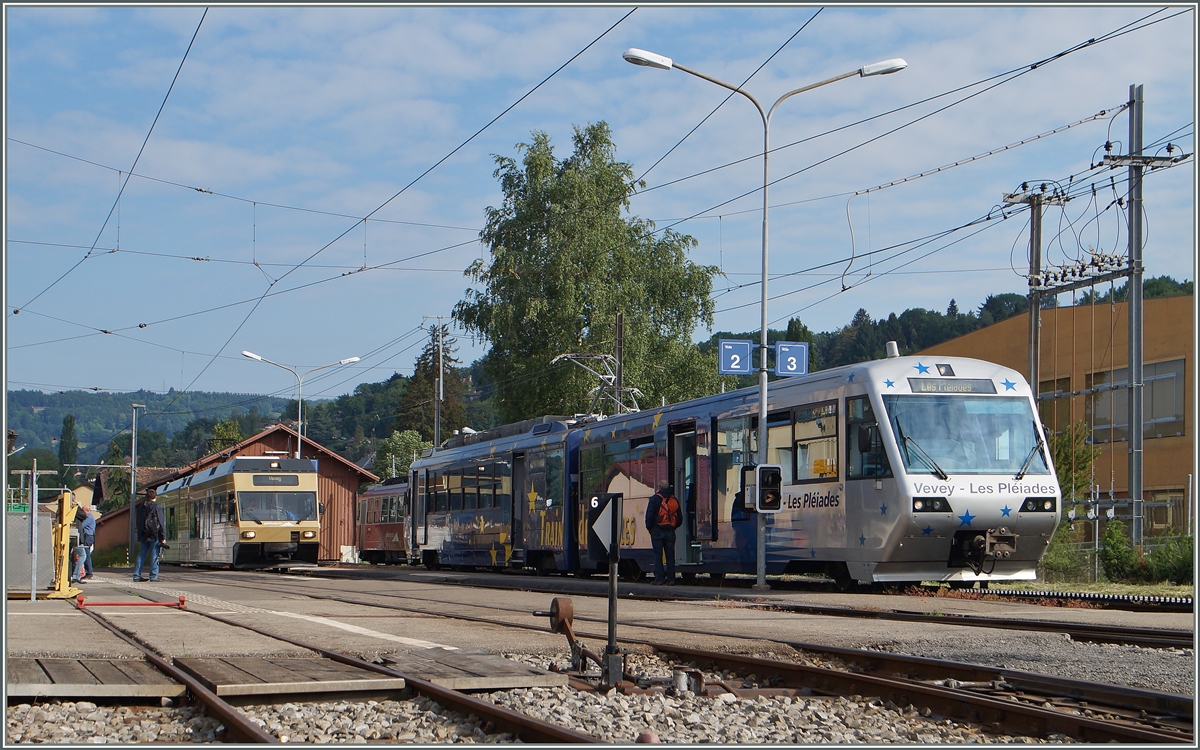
277 506
962 434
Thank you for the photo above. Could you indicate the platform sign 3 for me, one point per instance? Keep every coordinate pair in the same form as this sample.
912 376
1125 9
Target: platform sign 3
604 526
791 358
734 357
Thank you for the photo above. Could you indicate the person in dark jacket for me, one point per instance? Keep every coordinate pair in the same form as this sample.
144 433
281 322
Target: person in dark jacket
663 516
150 534
87 542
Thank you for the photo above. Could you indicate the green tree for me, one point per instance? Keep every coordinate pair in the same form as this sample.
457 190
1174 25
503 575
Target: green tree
226 433
1117 556
416 409
400 447
800 333
564 259
68 451
117 482
1073 460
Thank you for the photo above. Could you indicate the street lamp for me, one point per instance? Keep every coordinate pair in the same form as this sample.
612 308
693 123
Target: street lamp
299 384
653 60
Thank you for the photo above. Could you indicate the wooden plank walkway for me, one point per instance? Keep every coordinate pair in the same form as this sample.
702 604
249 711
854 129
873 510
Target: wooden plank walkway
463 671
95 678
251 675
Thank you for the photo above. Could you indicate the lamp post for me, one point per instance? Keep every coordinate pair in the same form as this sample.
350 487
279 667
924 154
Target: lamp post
653 60
299 384
133 485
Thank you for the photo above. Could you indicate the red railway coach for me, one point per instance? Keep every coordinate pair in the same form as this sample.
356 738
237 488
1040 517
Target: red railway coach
381 512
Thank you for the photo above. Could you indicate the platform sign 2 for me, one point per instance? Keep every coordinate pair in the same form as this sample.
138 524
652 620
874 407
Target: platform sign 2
734 357
791 358
604 526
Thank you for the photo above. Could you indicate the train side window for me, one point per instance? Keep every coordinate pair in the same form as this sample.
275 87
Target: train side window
440 485
733 451
503 484
483 480
779 441
470 488
171 527
816 443
456 490
865 456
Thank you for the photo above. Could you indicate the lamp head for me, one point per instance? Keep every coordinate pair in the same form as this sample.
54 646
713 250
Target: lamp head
348 360
895 65
251 355
648 59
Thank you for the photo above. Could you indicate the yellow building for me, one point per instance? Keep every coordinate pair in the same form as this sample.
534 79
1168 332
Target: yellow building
1084 350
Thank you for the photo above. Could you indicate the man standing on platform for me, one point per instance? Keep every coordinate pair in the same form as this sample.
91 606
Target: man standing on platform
662 518
151 531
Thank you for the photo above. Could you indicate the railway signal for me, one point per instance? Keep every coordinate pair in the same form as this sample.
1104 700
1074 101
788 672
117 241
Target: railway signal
768 482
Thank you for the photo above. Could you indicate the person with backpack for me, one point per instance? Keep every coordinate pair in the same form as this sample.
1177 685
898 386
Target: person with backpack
151 531
663 516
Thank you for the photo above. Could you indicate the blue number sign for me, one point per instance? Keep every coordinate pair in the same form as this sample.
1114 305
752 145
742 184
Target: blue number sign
791 358
734 357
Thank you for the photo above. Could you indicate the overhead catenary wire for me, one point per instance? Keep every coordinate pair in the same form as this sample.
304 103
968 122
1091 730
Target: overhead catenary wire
117 201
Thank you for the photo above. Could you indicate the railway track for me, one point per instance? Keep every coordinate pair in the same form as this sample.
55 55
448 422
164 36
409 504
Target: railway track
1038 705
728 586
1145 637
241 729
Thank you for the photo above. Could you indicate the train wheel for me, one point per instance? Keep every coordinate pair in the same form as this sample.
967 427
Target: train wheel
629 570
430 560
841 576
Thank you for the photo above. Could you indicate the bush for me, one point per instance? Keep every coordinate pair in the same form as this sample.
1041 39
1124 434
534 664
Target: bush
1121 562
1064 561
1172 561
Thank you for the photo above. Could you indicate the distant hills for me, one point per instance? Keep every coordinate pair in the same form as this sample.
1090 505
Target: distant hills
38 417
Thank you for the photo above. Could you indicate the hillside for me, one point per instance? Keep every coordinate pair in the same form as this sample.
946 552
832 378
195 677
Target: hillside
38 417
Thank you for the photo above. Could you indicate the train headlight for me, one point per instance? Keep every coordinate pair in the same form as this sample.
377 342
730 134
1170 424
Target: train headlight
308 534
930 505
249 534
1039 505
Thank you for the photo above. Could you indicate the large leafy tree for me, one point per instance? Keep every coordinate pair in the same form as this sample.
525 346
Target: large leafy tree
416 409
395 454
565 257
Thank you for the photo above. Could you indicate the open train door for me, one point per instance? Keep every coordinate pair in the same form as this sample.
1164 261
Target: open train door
515 497
417 529
681 468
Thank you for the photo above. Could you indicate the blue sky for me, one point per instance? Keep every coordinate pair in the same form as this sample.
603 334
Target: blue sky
301 121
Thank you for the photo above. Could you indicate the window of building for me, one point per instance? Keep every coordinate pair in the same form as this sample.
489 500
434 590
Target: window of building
1163 402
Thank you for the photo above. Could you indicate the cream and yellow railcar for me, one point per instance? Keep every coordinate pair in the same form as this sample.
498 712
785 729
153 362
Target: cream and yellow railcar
246 512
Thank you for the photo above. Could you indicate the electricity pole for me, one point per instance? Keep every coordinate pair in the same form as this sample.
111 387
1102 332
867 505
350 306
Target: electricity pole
438 391
133 486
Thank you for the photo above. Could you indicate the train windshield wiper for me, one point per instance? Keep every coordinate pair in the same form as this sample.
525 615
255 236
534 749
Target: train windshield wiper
906 441
248 512
1035 450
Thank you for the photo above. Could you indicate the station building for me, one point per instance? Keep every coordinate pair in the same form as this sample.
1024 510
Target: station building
1085 349
337 488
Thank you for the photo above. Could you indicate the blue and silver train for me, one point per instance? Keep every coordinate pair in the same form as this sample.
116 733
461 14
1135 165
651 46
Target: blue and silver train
900 469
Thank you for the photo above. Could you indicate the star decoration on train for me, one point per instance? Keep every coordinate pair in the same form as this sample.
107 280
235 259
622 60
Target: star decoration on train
927 530
966 518
814 553
850 378
656 418
1005 510
920 368
1008 385
862 541
883 510
889 384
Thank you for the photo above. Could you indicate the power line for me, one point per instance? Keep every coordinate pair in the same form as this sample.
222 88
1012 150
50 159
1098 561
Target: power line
117 201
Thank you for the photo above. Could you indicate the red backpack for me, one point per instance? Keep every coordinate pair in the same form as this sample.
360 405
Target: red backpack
668 512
